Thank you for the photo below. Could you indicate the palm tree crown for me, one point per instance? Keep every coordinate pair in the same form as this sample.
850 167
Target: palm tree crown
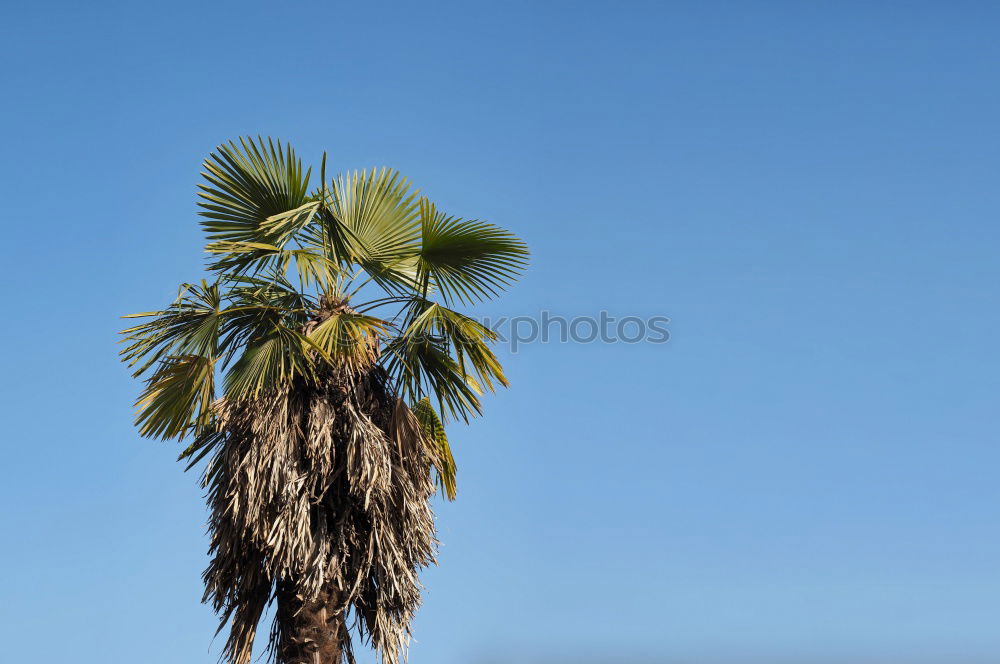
315 370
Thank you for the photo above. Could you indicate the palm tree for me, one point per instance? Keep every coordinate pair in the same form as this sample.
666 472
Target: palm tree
328 321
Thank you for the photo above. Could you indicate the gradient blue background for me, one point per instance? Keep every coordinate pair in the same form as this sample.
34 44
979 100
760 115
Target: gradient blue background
808 190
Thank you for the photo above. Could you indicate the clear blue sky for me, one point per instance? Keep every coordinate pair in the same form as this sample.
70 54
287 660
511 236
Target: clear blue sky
807 189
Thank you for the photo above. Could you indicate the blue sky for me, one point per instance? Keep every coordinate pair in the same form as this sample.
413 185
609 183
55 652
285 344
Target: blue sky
808 190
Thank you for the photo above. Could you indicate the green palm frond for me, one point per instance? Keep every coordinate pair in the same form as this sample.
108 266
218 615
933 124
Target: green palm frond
269 363
467 261
189 326
256 307
178 397
466 338
375 216
250 186
445 463
254 258
271 291
281 228
421 365
347 338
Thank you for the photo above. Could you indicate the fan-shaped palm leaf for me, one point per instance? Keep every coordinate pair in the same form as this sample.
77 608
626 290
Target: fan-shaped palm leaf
466 338
467 260
374 216
178 397
421 365
269 363
189 326
248 184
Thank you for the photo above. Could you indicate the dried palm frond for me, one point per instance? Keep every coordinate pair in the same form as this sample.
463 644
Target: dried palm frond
319 493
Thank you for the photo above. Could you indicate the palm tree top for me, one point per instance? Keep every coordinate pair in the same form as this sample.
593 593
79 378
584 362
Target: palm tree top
294 274
324 344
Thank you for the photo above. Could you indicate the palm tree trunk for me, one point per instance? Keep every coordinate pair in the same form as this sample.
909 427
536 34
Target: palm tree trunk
310 632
